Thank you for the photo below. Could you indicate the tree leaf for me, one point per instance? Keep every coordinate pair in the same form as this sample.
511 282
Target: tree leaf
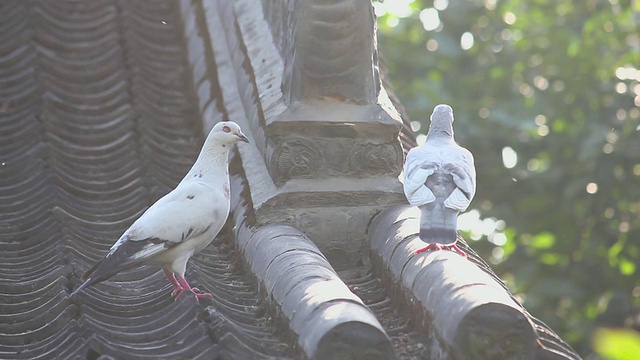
617 344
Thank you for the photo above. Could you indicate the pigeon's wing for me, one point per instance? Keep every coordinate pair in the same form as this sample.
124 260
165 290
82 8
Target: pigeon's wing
184 213
462 169
418 167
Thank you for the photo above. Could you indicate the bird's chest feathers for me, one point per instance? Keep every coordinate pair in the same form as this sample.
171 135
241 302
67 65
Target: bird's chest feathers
205 202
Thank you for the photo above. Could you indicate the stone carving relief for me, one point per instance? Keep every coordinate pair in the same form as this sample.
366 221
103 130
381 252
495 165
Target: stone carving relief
294 159
301 159
371 158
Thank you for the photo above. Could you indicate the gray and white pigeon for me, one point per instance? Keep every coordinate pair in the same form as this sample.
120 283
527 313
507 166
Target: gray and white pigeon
182 222
440 178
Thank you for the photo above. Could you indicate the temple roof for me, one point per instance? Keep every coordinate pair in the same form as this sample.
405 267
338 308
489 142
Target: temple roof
104 106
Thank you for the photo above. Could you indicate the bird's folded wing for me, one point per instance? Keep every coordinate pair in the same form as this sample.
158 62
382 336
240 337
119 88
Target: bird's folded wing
127 254
461 197
415 177
184 213
467 182
458 200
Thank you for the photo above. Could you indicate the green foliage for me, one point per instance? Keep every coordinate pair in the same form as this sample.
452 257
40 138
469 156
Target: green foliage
617 344
559 83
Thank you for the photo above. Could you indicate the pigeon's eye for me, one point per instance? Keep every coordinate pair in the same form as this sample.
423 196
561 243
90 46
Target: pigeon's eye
226 129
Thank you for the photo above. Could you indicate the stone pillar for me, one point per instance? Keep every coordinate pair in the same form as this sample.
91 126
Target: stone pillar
329 133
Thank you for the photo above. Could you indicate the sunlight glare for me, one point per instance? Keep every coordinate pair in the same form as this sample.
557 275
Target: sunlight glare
432 45
543 130
440 4
469 220
509 157
497 255
487 226
466 41
510 18
621 88
628 73
498 239
379 8
399 8
430 19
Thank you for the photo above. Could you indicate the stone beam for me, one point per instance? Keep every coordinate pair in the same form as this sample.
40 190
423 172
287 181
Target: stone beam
327 161
464 312
325 165
333 51
326 318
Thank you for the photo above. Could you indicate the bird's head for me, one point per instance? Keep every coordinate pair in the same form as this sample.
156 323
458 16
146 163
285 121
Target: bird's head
442 113
227 133
442 120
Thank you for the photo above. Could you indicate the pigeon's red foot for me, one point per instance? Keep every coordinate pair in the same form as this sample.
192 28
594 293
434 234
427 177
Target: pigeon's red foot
177 288
455 248
176 292
435 247
430 247
181 285
200 295
184 286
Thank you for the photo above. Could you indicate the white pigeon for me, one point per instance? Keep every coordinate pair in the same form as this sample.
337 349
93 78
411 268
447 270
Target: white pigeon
182 222
440 178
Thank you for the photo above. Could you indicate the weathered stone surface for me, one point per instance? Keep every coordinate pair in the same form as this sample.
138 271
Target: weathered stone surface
331 51
328 320
316 155
340 144
98 120
103 105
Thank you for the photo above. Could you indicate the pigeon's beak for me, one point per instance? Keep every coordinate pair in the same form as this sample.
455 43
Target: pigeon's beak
242 137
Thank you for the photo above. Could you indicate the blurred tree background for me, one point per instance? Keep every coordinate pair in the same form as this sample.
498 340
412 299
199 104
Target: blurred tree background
546 94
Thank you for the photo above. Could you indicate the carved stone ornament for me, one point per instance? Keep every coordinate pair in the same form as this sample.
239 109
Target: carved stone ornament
371 158
294 159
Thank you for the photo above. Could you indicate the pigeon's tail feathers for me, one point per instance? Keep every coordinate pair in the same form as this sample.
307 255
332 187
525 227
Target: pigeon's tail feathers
90 281
101 271
125 255
86 278
438 235
438 224
88 273
458 200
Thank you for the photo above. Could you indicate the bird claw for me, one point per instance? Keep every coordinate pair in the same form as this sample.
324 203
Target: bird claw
430 247
201 295
181 285
176 294
437 247
456 249
197 292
